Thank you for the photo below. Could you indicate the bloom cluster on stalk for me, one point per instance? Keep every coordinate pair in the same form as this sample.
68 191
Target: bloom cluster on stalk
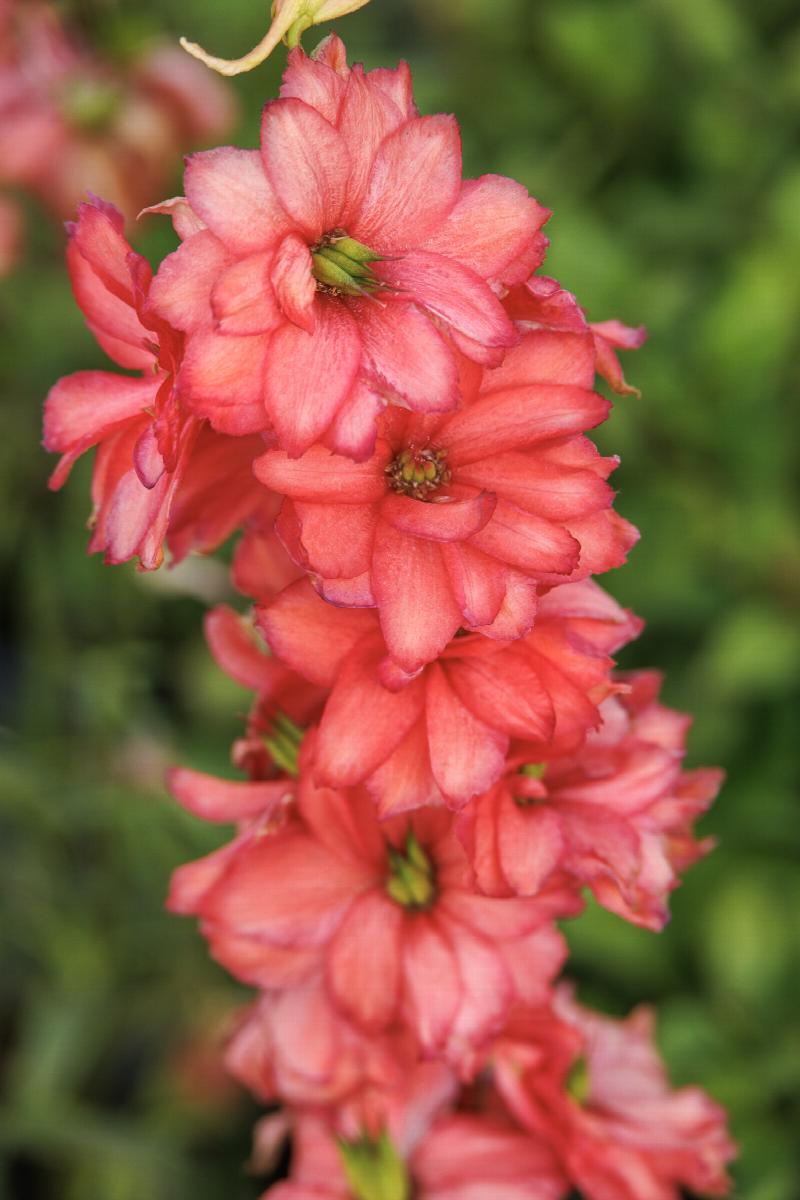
354 360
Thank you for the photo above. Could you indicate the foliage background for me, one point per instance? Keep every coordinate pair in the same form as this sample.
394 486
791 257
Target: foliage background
664 135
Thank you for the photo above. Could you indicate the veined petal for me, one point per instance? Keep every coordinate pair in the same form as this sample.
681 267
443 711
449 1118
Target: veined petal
312 637
432 983
294 283
337 538
223 376
181 289
454 293
408 356
242 298
546 356
417 610
81 407
229 191
366 116
445 521
492 223
233 643
503 690
414 183
467 756
518 417
321 476
478 582
307 162
526 541
309 376
548 489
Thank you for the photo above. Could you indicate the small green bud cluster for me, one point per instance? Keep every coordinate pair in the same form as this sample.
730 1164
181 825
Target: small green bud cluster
411 882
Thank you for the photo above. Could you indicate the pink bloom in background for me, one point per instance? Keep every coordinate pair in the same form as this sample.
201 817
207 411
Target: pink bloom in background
70 122
616 815
160 474
453 515
343 265
443 734
385 911
595 1090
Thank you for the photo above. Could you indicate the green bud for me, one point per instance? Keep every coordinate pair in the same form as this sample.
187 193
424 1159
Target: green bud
374 1170
411 882
343 263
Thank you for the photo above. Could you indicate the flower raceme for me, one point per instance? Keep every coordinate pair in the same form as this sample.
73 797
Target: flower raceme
344 265
384 911
454 514
443 733
615 815
160 473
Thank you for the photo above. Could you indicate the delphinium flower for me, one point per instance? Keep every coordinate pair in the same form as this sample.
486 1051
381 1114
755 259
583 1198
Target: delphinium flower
616 814
343 265
454 513
160 474
443 733
385 911
595 1090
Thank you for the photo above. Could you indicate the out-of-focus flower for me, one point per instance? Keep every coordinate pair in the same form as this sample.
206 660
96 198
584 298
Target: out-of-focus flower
290 20
595 1090
70 122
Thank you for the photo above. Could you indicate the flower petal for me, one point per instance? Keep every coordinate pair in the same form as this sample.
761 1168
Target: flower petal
523 540
223 376
312 637
307 162
408 356
467 756
229 191
294 283
432 984
321 476
364 961
226 800
414 183
181 289
417 611
445 521
242 299
309 376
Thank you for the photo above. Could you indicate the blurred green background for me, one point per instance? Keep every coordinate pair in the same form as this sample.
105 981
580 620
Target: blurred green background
664 134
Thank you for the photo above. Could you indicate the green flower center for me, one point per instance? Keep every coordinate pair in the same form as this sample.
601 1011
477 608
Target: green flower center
578 1083
411 881
341 265
283 743
374 1170
418 473
530 771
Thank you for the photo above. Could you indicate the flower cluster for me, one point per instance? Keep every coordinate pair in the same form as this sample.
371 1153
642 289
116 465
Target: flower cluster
354 360
71 121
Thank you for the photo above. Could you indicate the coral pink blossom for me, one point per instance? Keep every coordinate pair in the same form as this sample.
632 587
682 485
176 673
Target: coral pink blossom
341 266
616 815
595 1090
160 474
294 1045
445 732
457 1156
280 694
454 513
384 911
541 303
69 121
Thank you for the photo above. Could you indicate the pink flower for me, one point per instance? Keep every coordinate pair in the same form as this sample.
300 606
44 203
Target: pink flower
69 121
615 815
457 1156
160 474
384 911
541 303
295 1046
341 266
283 705
595 1090
454 513
443 734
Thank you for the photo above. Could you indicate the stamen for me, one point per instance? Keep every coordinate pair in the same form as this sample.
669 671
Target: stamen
418 473
411 881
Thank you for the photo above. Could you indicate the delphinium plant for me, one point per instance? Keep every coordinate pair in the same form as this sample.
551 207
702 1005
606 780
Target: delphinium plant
356 360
